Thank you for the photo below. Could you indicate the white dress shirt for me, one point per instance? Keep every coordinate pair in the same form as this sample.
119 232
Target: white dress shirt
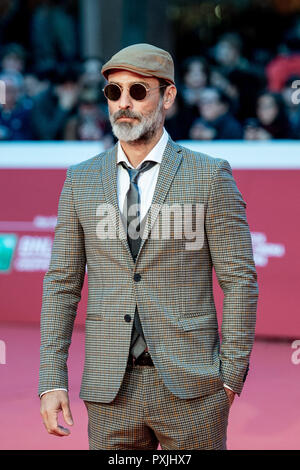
146 180
146 184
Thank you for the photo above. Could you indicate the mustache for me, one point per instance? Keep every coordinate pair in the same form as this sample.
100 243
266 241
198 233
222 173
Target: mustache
127 114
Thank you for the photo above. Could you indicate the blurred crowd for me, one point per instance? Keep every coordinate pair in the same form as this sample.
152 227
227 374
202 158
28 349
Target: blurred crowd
51 94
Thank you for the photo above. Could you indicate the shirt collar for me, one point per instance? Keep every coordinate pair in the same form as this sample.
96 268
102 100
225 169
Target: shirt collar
155 154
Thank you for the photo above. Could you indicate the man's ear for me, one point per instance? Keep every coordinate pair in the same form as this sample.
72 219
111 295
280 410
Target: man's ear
169 96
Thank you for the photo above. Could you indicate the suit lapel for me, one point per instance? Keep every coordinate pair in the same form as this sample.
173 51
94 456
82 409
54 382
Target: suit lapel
109 181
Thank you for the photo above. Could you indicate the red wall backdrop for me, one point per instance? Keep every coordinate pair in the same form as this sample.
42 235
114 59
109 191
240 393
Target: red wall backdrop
29 199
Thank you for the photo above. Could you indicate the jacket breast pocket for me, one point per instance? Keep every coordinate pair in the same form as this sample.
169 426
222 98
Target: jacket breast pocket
202 322
94 317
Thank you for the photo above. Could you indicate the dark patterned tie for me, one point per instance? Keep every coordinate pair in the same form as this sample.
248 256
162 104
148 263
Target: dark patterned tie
132 205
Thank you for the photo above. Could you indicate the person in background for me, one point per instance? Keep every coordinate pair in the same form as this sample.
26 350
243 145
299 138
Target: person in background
271 119
287 61
179 119
15 115
227 53
219 80
91 78
13 59
291 97
235 75
33 85
216 121
91 73
53 33
90 123
54 106
196 76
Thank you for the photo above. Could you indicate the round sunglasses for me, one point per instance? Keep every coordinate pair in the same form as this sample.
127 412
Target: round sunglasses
137 91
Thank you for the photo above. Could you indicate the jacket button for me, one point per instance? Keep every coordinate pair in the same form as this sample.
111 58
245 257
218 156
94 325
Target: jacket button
137 277
127 318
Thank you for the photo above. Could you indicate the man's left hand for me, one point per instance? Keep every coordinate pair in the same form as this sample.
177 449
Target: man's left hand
230 395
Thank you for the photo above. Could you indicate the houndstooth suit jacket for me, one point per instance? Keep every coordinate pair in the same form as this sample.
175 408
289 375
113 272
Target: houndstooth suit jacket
171 285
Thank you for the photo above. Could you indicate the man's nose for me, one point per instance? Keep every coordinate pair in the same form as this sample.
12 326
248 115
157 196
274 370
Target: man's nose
125 100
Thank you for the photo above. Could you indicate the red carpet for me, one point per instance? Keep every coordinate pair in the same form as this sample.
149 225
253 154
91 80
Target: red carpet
266 416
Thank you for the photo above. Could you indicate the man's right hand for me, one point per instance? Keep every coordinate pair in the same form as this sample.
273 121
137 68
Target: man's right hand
51 404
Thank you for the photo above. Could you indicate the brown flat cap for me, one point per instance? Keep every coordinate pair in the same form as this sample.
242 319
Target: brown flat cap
143 59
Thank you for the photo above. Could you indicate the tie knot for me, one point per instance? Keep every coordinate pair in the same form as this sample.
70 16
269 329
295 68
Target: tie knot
134 173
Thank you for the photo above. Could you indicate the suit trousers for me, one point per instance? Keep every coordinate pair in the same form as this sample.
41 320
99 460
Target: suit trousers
145 413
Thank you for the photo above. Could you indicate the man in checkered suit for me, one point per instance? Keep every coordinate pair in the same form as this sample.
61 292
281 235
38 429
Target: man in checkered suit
155 371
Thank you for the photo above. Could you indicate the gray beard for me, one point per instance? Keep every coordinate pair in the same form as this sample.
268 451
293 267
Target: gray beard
137 133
